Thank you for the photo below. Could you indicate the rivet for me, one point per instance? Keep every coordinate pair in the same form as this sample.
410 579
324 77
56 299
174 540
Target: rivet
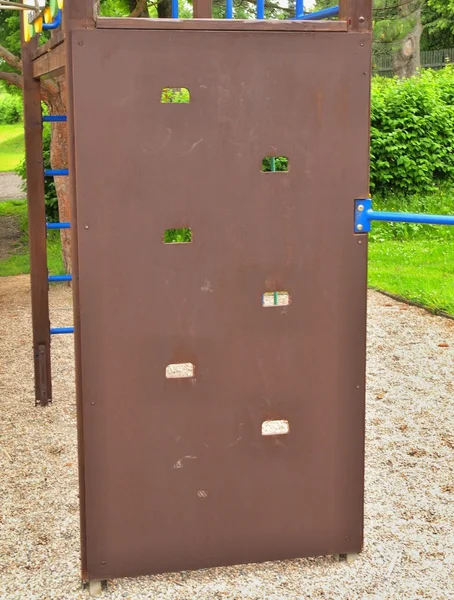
92 403
359 227
360 242
362 44
86 226
103 562
361 19
361 207
357 387
81 43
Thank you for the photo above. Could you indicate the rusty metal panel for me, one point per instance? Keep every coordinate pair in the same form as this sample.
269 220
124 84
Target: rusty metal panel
176 472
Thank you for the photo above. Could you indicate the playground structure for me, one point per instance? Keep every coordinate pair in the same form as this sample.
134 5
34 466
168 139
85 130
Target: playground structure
187 472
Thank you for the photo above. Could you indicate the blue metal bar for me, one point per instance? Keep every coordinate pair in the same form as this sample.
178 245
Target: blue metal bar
58 225
55 172
320 14
260 9
299 8
364 215
55 278
229 9
54 24
174 9
57 330
54 118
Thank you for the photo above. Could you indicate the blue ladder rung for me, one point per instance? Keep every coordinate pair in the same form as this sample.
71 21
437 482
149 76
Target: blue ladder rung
54 118
66 225
55 278
58 330
55 172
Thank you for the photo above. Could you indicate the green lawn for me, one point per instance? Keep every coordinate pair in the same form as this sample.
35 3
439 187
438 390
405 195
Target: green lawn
19 262
11 146
421 271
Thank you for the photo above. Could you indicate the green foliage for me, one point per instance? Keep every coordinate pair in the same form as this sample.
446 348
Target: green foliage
178 236
280 164
412 132
11 109
175 95
49 186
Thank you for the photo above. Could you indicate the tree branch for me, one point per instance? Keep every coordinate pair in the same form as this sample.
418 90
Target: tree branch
12 79
10 58
140 9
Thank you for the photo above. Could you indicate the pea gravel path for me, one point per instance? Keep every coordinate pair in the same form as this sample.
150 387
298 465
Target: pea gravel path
409 534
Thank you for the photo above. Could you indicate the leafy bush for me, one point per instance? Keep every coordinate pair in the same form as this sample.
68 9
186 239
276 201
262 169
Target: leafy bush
11 109
50 193
412 132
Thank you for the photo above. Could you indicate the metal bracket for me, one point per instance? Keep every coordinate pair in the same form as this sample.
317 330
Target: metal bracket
364 215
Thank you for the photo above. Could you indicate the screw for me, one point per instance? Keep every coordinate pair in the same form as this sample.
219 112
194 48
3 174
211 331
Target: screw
359 227
361 19
362 44
86 226
80 43
360 207
360 242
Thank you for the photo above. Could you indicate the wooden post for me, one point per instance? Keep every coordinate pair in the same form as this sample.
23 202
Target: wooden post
202 9
36 226
358 13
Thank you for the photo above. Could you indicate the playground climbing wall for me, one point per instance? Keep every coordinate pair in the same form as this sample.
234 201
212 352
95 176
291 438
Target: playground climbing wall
176 473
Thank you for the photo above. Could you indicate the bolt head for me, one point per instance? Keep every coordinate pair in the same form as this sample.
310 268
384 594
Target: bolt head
361 207
359 227
361 19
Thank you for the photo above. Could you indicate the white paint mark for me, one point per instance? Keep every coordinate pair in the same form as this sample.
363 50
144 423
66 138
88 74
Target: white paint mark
202 494
179 463
235 442
207 287
193 146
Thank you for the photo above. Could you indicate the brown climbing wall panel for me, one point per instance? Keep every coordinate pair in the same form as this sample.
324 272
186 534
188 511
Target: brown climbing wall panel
176 472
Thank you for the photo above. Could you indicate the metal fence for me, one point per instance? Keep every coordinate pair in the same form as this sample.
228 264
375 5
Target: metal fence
430 59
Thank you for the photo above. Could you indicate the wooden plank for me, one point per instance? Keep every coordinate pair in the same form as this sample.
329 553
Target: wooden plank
202 9
36 227
220 24
56 39
358 14
52 63
80 14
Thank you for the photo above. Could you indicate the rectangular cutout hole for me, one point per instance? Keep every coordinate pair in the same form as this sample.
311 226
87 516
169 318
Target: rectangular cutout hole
175 96
179 371
275 299
275 164
178 236
280 427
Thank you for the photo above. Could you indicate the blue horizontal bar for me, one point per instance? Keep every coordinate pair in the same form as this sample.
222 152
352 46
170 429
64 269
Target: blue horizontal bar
58 225
319 15
364 215
55 172
55 278
57 330
54 118
54 24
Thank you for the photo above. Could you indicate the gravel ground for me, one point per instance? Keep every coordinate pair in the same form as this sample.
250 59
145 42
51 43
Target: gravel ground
10 187
409 539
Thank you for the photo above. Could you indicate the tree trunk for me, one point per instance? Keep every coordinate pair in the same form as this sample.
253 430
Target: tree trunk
164 9
56 101
407 60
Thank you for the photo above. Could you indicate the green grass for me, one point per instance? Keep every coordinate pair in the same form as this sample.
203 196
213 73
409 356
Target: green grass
19 262
420 271
12 148
414 261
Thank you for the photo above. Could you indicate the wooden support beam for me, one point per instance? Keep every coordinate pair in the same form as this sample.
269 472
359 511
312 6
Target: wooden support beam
36 227
358 14
51 63
202 9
